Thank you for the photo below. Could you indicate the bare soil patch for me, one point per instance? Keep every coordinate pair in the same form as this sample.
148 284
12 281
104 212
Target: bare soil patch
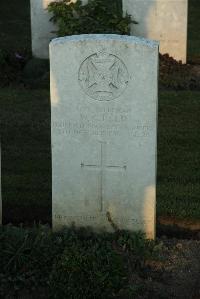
177 273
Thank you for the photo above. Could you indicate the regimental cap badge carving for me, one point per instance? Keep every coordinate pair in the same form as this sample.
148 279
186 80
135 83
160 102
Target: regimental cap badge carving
103 76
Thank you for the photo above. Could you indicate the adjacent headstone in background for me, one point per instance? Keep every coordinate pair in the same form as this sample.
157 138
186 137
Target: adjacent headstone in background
104 124
162 20
42 29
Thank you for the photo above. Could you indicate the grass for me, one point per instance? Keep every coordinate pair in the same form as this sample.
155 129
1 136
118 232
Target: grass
178 155
194 31
25 135
26 156
15 33
36 263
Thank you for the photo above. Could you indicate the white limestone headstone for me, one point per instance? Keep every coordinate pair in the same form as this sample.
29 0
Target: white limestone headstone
42 29
104 124
162 20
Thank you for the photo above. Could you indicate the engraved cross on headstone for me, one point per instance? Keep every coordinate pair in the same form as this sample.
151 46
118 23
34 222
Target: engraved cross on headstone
102 167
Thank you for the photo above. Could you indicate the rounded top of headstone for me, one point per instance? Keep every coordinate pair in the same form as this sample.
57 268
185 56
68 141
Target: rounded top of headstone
106 37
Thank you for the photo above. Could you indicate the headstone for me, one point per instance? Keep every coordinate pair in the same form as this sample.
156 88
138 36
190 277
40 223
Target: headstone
42 29
104 123
162 20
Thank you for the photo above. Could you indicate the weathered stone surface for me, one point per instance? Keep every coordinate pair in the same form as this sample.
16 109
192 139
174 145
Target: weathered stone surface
162 20
104 123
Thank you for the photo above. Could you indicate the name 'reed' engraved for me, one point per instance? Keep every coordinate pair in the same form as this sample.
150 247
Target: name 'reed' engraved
103 76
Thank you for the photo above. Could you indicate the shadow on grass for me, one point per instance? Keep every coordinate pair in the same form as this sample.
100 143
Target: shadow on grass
26 155
194 31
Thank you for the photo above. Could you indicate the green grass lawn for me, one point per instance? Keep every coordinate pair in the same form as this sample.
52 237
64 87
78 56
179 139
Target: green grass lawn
194 31
25 134
26 156
36 263
15 32
179 155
